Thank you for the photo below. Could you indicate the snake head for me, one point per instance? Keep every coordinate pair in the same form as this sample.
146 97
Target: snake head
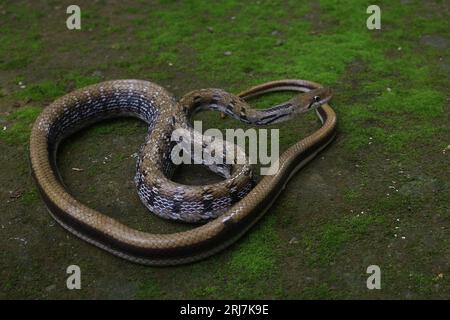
311 100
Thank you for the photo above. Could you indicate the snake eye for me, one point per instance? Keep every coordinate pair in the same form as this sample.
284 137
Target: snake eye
316 98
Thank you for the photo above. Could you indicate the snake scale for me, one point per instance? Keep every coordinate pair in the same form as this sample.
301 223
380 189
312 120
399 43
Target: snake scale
232 205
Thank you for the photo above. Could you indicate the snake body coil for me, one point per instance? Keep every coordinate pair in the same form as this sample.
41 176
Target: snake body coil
234 203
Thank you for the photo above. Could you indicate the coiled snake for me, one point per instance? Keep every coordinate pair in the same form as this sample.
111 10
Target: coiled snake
235 203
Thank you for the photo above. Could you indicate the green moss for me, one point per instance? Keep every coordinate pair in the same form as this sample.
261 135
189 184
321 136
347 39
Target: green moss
18 132
79 80
321 57
149 290
26 115
50 90
18 47
119 127
322 291
251 268
325 243
425 103
43 91
206 292
30 197
255 258
352 195
413 283
422 283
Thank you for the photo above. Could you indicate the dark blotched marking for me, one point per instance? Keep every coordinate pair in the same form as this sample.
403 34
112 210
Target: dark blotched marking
262 119
231 106
244 119
271 119
281 106
215 99
243 115
207 200
234 192
151 198
197 104
178 200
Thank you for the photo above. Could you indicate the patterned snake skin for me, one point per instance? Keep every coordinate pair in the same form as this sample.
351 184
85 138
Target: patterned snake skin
235 203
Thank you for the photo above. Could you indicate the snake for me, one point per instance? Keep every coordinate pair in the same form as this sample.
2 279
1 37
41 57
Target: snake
229 207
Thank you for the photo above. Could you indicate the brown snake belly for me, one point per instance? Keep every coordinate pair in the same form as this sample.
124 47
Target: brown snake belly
164 249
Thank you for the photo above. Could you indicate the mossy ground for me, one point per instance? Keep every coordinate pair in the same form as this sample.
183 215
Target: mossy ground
378 195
